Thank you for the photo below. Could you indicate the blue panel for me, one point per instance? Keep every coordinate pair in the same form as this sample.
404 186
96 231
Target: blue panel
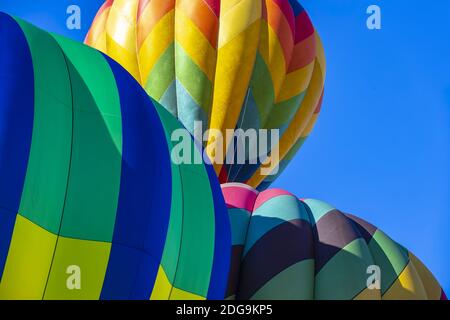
296 6
133 272
16 124
145 192
222 244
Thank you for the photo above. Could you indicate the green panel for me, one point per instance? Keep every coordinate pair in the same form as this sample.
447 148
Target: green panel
262 89
193 79
162 74
91 260
197 247
46 179
345 275
95 170
284 112
171 252
294 283
389 256
191 240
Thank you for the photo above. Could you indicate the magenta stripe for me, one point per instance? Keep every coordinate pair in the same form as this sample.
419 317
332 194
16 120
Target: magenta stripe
238 196
288 12
214 5
303 27
269 194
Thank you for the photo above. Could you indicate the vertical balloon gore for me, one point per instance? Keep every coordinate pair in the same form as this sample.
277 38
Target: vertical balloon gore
91 205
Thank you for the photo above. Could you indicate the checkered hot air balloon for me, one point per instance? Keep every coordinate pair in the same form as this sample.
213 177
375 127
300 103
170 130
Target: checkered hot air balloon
86 180
231 64
286 248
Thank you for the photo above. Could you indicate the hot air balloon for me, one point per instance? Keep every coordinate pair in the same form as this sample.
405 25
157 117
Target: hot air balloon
87 186
286 248
241 64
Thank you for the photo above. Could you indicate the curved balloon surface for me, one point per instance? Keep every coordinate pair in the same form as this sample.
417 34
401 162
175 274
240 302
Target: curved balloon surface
241 64
286 248
89 196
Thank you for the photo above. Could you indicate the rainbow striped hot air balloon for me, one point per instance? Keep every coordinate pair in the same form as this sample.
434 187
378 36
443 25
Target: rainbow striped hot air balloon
86 180
286 248
231 64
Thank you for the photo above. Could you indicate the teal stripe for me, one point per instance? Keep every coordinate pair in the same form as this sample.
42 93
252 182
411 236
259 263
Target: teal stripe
188 110
169 99
283 112
48 166
273 213
239 220
318 208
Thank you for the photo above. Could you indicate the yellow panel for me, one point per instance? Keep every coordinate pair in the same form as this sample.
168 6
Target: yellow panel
156 43
235 63
121 35
273 55
178 294
226 5
368 294
300 121
121 24
28 262
407 286
125 58
310 125
430 284
296 82
100 43
97 34
195 44
91 257
162 287
236 17
321 54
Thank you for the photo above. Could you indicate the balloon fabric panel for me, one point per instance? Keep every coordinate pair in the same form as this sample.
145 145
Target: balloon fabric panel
81 184
246 64
287 248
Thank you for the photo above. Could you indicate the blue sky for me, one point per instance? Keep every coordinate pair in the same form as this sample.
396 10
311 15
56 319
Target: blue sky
380 149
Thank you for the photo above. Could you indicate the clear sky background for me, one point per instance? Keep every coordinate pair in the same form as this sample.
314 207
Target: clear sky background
381 147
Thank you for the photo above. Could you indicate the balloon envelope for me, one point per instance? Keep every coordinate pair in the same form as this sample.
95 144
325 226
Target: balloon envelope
89 195
245 64
286 248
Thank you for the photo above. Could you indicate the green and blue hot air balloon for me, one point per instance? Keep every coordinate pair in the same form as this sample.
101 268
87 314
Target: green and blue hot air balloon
86 180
